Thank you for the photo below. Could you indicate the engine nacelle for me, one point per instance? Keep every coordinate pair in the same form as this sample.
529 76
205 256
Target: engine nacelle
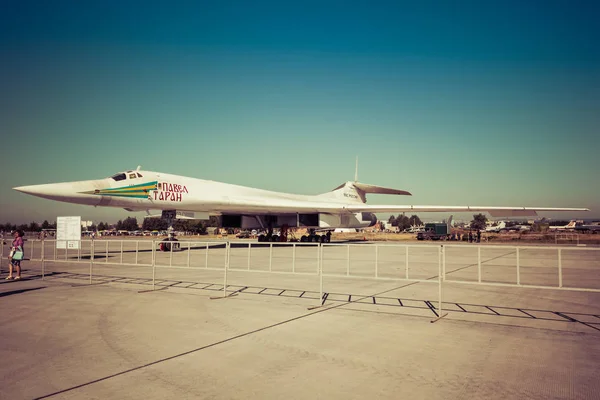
356 220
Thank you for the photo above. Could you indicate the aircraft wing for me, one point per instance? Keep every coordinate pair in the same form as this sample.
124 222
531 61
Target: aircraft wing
274 206
494 211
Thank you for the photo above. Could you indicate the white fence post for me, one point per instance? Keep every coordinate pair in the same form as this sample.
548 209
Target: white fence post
479 264
406 262
249 250
320 273
518 267
31 251
206 259
227 250
348 261
188 253
441 248
443 263
1 253
560 280
318 258
376 261
43 245
153 265
294 258
91 260
270 257
137 250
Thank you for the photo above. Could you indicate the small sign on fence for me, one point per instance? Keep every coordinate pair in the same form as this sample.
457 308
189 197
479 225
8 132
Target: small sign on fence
68 232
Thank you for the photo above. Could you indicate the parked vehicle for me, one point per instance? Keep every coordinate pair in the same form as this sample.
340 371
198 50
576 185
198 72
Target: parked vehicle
436 231
168 242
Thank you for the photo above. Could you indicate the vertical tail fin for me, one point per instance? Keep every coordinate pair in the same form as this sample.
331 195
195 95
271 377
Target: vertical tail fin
347 192
356 191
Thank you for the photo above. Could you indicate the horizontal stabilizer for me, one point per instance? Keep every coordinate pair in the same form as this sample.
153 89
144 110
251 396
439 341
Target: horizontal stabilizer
380 189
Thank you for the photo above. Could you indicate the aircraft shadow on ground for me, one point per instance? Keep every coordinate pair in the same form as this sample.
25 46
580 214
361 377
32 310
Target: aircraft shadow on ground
518 313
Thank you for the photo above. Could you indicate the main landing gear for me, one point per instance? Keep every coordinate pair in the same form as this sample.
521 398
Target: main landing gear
312 237
273 237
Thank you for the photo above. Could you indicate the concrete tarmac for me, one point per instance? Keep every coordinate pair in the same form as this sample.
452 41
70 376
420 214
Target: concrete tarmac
64 338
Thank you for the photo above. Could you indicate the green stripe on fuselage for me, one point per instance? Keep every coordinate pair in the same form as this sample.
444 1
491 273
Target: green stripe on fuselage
140 191
130 195
147 186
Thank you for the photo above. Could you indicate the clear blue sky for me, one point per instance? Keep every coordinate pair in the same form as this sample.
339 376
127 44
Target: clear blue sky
467 102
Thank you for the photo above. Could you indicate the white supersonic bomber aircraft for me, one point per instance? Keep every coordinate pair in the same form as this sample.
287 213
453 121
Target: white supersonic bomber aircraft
246 207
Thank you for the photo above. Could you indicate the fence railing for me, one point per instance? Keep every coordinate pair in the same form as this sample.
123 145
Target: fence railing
543 267
566 237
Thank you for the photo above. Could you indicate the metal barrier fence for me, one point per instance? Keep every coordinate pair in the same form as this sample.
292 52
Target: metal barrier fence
545 267
566 237
540 267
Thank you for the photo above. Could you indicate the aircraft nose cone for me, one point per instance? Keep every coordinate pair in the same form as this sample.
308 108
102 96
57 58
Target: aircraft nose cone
49 190
72 192
33 189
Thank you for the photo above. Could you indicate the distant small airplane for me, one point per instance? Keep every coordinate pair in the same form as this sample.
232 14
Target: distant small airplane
519 228
246 207
496 228
587 228
569 226
416 228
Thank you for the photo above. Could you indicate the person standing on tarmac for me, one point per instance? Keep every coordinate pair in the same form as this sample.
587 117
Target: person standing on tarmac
15 262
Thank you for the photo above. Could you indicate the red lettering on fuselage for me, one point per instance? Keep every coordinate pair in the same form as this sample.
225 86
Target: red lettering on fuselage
170 192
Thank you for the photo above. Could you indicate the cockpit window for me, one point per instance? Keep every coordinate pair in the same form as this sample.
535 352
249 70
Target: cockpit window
132 176
119 177
139 175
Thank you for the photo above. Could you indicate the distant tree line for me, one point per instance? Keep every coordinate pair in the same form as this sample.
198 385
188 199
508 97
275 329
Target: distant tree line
128 224
403 222
31 227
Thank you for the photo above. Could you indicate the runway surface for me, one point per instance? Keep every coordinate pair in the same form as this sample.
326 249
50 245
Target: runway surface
373 337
